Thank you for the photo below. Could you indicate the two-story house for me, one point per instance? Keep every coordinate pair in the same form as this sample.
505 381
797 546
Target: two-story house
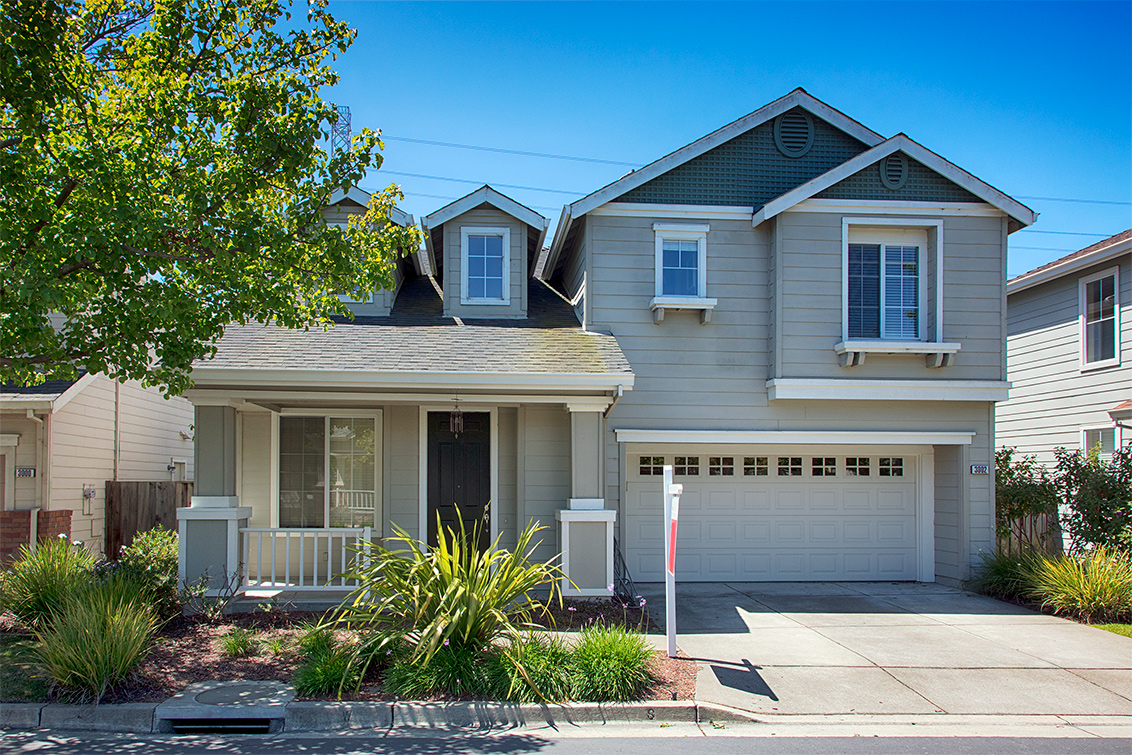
804 318
1069 353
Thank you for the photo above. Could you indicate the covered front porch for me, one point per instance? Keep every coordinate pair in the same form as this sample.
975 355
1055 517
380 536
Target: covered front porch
289 484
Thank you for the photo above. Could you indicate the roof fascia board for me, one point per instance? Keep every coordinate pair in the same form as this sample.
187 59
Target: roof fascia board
565 219
490 196
362 197
878 207
797 98
429 261
1096 257
79 386
799 437
256 399
22 403
204 376
898 143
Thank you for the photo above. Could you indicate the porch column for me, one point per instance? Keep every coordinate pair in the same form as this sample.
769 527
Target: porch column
585 527
208 540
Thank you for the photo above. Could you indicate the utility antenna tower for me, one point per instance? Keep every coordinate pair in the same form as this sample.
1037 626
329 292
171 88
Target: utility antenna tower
340 131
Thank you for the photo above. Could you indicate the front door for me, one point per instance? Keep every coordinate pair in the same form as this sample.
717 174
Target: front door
459 474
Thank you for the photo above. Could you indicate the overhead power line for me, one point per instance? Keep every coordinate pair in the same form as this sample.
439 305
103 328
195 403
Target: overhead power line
1067 233
501 150
481 183
1080 201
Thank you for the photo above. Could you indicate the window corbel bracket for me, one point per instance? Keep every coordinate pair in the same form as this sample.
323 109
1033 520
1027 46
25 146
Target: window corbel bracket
851 358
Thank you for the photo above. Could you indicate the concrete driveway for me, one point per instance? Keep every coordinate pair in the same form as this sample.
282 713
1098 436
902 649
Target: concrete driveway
892 648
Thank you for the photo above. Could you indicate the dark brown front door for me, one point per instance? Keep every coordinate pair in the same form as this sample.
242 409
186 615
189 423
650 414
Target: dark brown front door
459 474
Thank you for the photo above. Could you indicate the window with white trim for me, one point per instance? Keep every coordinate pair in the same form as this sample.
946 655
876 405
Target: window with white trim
485 257
886 283
681 260
1099 439
1100 319
327 471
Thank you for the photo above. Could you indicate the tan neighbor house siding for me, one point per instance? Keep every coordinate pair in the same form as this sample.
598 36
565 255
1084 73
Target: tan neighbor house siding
1051 399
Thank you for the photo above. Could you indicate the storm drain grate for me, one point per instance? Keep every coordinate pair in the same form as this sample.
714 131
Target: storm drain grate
225 725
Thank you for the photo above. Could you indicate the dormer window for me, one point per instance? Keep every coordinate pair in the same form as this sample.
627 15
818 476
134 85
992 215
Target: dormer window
485 260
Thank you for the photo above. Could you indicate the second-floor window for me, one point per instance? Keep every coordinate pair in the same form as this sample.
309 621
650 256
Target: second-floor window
884 291
485 257
1100 320
681 261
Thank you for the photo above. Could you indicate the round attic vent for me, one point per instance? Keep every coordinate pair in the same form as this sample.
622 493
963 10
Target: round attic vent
794 133
894 171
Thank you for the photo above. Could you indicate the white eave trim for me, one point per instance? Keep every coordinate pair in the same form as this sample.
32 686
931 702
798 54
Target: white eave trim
486 194
1070 266
899 143
362 197
39 403
205 377
841 389
797 98
893 207
798 437
546 263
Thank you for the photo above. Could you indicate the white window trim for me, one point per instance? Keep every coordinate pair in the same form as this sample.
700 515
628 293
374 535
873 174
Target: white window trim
1116 437
505 233
8 451
326 414
1081 284
662 302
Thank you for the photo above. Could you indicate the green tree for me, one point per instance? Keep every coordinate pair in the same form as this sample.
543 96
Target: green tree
161 177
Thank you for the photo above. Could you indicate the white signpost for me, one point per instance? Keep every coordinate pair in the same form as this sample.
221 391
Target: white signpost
671 515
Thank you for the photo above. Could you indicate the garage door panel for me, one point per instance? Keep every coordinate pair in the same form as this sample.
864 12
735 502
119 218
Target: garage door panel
857 532
756 500
857 500
721 533
824 500
788 500
824 532
755 533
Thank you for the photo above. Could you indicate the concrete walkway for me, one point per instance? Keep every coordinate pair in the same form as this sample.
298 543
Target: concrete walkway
827 649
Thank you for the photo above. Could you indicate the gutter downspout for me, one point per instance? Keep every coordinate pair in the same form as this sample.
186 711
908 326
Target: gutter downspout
117 427
616 398
40 504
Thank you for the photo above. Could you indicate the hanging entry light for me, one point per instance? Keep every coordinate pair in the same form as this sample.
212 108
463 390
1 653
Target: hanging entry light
456 418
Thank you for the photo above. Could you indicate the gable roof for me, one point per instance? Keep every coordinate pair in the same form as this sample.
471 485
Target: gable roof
48 396
484 195
362 197
798 98
1112 247
899 143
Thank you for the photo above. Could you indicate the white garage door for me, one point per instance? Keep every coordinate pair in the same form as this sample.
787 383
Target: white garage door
765 517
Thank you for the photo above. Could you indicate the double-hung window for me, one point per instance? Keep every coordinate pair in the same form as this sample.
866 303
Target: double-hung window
1100 320
485 256
328 471
886 284
681 269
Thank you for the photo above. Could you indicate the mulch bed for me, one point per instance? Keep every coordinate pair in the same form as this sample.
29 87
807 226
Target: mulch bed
188 650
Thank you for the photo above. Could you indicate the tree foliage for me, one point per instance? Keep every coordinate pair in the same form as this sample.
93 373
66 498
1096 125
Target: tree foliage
161 177
1023 490
1097 494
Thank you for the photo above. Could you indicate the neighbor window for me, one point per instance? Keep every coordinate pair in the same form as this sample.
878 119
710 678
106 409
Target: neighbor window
1100 320
327 471
485 254
1099 439
681 255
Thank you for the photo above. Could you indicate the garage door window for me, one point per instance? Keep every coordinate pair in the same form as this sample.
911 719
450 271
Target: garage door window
755 466
789 466
857 466
823 466
686 466
721 466
890 467
652 465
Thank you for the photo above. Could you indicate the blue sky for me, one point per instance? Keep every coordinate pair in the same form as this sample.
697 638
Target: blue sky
1033 97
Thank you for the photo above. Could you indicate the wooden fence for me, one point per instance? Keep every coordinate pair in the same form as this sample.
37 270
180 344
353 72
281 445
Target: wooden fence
133 507
1040 532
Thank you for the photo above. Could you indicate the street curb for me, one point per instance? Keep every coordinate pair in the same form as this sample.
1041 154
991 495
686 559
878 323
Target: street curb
141 718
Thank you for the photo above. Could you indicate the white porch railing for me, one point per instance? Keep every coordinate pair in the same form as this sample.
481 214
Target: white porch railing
299 558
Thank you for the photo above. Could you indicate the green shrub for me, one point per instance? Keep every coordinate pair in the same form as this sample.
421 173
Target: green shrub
328 671
451 670
1006 575
239 643
610 663
275 645
537 669
101 632
151 561
1098 498
315 641
1023 490
452 595
1096 586
38 583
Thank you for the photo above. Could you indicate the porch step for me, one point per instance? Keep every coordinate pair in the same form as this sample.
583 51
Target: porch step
286 600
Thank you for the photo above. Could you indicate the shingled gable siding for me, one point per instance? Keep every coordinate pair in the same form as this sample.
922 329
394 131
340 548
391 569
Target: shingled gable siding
485 216
1051 399
383 300
811 248
922 185
748 170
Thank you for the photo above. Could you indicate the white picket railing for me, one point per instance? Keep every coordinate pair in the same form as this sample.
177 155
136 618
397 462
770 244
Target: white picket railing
299 558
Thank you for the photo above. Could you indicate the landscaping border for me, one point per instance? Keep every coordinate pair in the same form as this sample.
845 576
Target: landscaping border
140 718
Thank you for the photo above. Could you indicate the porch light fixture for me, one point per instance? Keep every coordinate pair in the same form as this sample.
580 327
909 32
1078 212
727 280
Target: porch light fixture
456 418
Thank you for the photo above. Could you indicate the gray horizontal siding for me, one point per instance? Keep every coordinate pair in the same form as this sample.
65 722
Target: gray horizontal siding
485 217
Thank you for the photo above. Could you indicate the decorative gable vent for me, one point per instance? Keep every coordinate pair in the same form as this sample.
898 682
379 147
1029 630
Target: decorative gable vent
794 133
894 171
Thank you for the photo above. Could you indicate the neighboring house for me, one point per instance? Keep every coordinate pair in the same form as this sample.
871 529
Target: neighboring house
61 441
1069 353
804 318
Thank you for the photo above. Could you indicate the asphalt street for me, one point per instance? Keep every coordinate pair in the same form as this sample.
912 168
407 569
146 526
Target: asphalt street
681 740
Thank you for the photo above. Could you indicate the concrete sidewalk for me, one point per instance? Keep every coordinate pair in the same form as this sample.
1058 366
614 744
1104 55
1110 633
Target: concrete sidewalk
830 649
